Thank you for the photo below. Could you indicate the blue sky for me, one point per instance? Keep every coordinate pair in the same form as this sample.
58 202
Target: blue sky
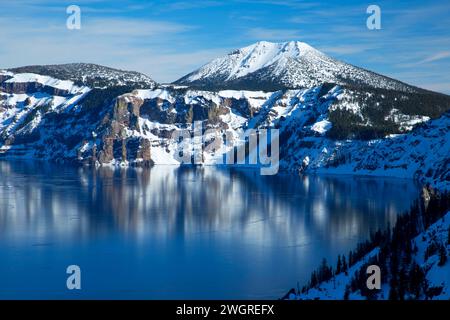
167 39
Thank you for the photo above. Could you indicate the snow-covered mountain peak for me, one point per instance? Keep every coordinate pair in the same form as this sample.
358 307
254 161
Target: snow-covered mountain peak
252 58
272 51
263 54
272 66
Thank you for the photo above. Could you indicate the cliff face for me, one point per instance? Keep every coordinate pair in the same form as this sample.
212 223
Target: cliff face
46 118
98 126
116 142
31 88
29 83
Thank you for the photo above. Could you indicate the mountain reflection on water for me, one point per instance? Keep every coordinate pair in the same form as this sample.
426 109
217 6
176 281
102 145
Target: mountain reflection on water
180 232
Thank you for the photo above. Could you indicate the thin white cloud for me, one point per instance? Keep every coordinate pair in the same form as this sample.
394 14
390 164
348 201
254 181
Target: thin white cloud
416 59
132 28
298 19
437 56
345 49
186 5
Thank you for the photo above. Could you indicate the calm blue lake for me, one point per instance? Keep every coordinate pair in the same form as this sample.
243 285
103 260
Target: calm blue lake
180 233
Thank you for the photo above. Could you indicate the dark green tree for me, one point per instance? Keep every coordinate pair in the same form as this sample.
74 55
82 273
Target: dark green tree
339 265
442 255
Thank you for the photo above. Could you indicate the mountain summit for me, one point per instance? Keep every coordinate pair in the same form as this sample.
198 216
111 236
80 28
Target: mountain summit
271 66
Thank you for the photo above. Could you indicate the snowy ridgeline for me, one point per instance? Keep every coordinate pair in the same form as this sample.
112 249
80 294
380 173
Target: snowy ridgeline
88 74
431 254
46 118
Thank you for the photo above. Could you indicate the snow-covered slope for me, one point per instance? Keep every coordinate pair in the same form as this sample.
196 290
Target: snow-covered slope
65 85
422 153
25 100
267 65
92 75
430 249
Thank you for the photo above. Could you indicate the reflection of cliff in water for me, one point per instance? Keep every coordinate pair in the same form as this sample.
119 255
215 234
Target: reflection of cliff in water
79 203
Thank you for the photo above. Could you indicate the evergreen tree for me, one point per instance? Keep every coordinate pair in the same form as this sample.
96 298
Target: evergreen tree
339 265
402 284
347 293
344 264
442 255
395 256
408 252
325 272
416 281
393 295
314 281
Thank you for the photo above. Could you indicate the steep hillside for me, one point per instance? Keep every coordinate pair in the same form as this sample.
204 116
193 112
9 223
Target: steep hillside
421 154
413 258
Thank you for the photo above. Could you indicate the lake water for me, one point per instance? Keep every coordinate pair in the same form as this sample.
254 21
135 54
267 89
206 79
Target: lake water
180 233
